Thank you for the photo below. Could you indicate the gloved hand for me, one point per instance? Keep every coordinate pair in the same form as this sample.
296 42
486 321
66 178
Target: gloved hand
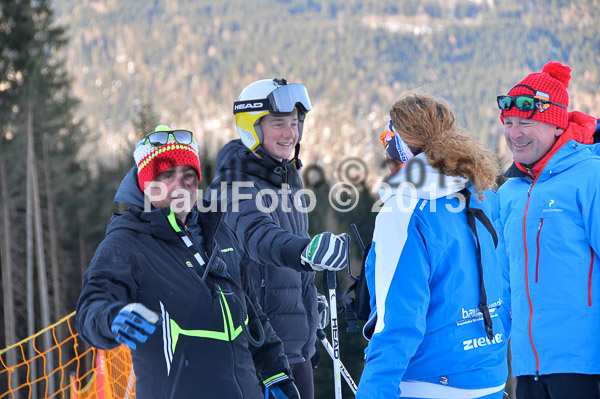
327 251
133 324
323 309
284 390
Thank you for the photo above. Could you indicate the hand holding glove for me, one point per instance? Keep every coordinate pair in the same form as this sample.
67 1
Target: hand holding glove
134 324
323 309
284 390
327 251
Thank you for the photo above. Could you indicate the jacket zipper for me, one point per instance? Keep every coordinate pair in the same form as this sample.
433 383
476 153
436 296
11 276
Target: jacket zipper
263 286
213 248
537 358
235 377
537 257
590 276
232 351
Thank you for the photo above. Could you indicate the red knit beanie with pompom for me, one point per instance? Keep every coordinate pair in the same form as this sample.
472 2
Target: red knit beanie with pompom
551 84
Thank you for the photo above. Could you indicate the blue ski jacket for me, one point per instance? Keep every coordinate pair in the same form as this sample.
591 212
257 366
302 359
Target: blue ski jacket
423 276
551 226
203 347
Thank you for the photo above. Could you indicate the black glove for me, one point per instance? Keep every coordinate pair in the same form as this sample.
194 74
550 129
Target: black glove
285 390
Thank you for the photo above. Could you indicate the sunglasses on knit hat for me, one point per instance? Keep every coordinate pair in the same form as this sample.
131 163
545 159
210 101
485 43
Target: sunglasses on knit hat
525 102
160 138
157 152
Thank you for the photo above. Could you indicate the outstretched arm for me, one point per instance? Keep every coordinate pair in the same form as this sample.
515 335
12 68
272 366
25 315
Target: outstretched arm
262 237
108 285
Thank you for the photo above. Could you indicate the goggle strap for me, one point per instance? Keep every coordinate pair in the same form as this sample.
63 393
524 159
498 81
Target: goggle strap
250 105
533 95
525 86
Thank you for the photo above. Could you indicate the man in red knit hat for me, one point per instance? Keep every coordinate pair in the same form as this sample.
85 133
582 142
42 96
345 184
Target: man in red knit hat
550 213
166 282
160 159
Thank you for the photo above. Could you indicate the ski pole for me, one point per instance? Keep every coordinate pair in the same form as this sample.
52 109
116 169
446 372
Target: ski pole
323 338
331 285
357 235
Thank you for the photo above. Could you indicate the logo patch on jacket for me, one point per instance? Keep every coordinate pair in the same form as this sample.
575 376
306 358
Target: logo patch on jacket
474 315
481 341
551 207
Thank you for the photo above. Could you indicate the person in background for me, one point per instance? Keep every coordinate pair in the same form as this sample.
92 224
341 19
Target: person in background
439 322
550 211
166 282
266 210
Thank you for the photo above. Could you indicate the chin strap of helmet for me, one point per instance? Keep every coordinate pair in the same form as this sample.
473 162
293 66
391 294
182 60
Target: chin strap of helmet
297 160
261 151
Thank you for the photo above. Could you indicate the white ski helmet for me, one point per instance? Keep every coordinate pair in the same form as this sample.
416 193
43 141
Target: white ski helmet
268 96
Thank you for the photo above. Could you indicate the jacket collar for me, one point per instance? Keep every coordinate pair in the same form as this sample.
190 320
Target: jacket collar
129 191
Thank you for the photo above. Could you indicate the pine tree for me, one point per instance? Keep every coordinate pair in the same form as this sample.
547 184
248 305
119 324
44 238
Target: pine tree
38 149
15 29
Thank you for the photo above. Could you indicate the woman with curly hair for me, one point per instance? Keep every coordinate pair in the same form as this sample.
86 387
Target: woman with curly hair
439 320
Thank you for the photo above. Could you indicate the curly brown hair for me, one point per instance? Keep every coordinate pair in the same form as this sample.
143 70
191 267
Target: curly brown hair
428 124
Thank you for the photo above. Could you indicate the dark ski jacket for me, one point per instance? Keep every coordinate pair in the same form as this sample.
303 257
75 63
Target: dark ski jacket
272 232
202 348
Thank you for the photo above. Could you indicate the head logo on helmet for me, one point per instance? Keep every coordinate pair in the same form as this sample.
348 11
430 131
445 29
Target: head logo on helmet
252 105
268 96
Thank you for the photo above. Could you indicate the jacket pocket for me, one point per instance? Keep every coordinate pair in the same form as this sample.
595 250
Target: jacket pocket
181 364
590 276
537 256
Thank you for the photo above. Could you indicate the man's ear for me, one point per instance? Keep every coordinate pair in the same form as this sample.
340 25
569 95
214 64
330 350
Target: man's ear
558 131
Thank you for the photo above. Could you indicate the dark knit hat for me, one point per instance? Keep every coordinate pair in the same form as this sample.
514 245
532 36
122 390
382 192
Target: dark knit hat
152 161
395 147
551 84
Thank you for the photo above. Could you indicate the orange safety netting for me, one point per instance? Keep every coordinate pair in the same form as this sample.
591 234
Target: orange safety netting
69 369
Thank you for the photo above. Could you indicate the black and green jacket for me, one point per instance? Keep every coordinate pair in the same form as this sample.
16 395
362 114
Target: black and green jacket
202 348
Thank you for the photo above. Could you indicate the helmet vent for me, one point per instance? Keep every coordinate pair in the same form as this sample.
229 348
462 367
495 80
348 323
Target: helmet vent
247 134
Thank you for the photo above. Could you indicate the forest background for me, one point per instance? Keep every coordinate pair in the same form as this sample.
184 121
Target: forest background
81 81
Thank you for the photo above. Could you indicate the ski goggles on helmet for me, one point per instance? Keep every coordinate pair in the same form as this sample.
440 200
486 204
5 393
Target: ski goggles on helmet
524 102
282 100
159 138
